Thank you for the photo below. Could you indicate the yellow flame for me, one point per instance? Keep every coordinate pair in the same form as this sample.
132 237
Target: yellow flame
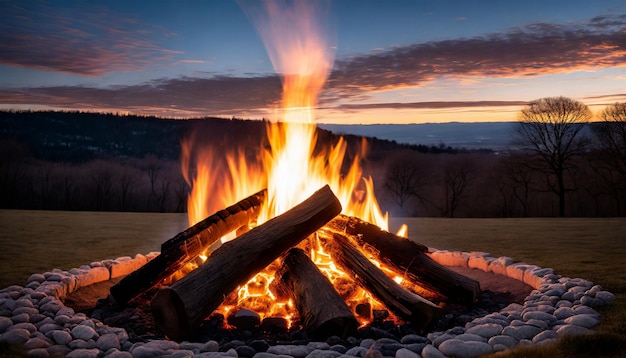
290 167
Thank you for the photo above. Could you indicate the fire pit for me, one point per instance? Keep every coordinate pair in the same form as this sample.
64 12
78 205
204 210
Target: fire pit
35 317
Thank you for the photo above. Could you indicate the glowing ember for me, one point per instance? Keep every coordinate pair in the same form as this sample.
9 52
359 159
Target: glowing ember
289 169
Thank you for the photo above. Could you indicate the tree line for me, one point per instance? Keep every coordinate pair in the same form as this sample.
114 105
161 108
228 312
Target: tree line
555 169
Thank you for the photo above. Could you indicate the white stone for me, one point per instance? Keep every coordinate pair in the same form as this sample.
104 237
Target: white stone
432 352
406 353
83 332
486 330
506 341
61 337
108 341
583 320
605 296
572 330
319 353
462 349
83 353
521 332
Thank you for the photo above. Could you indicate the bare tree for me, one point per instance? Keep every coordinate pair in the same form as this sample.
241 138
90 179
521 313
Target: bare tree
611 163
458 174
550 129
406 179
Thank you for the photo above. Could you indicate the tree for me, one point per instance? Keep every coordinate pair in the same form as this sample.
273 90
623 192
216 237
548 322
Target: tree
550 129
611 166
458 175
406 179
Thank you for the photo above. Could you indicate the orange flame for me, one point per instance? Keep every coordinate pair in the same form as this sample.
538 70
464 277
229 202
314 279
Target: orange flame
289 168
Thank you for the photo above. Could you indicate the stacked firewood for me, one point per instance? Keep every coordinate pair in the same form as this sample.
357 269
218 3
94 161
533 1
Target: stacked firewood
180 308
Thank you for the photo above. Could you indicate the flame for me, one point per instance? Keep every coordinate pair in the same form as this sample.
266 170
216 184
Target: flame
290 168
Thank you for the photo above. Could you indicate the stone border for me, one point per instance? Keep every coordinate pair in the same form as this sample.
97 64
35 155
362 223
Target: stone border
35 317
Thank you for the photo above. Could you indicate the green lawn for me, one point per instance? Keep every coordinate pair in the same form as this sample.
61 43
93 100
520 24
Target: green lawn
591 248
594 249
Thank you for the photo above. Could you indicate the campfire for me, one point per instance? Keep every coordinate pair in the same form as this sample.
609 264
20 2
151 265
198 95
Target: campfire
312 244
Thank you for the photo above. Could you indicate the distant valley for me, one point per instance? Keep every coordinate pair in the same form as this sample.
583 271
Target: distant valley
492 135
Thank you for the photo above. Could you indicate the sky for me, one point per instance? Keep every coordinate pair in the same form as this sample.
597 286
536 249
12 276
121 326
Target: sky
394 61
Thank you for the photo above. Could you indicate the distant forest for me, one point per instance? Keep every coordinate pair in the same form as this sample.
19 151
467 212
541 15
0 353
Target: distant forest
54 160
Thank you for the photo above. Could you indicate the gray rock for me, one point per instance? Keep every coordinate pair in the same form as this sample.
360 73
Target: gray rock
38 353
145 351
339 348
572 330
405 353
466 337
49 327
118 354
52 307
521 332
267 355
506 341
81 344
21 318
15 336
36 342
319 353
210 346
5 322
83 353
413 338
180 354
229 353
431 352
486 330
191 346
605 296
464 349
540 315
61 337
318 345
537 323
563 312
544 336
245 351
290 350
83 332
367 342
108 341
582 309
58 350
583 320
357 351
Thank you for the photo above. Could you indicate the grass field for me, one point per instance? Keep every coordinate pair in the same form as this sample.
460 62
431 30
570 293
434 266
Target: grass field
591 248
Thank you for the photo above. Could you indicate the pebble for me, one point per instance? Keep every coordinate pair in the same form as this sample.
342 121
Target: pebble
35 317
464 349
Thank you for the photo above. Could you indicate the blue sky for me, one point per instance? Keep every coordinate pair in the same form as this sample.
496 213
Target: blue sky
395 61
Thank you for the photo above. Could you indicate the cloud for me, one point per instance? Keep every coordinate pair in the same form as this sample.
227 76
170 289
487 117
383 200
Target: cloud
219 95
431 105
533 50
79 41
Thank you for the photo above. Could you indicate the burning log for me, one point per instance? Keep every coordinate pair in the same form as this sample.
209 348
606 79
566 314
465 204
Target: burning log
182 307
322 310
186 246
409 256
404 303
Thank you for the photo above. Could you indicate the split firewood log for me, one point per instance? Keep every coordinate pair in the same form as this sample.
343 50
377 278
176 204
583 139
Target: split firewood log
182 307
186 246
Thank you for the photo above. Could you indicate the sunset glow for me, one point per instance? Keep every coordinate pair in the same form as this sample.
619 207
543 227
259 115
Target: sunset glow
391 60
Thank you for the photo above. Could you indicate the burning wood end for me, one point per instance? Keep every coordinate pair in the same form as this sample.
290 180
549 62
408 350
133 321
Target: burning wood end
180 308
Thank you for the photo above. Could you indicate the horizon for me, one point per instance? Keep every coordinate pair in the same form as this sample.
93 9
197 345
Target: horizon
395 63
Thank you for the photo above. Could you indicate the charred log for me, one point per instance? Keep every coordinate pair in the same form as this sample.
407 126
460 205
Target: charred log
323 312
182 307
404 303
186 246
408 256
